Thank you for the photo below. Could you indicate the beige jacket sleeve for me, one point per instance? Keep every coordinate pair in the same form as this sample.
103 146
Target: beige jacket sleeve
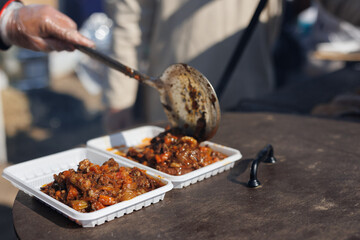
132 24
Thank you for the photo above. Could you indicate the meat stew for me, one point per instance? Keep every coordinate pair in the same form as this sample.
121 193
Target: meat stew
93 187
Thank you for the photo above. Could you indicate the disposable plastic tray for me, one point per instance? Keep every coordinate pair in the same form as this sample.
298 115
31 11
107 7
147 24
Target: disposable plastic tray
135 137
31 175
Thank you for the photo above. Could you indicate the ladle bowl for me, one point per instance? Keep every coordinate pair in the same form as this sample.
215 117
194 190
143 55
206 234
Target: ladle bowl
187 96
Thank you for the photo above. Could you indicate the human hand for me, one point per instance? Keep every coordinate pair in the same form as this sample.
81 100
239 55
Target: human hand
43 28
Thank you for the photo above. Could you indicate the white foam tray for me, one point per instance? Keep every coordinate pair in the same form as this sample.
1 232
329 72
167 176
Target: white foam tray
31 175
135 136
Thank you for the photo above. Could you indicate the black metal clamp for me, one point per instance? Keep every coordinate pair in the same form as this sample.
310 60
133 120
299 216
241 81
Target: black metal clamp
266 155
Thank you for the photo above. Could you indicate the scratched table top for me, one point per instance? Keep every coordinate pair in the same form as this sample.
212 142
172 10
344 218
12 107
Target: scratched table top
311 192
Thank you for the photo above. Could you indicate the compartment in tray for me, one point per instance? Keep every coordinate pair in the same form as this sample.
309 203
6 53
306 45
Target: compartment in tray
134 137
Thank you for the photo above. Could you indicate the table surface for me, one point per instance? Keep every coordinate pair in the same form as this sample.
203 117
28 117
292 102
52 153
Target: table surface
312 192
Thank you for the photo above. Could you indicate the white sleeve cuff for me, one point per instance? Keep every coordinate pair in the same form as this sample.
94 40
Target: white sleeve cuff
5 18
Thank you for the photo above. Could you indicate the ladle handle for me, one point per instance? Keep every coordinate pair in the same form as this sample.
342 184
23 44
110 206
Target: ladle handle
113 63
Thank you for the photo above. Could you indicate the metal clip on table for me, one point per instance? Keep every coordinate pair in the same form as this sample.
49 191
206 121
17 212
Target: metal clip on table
266 155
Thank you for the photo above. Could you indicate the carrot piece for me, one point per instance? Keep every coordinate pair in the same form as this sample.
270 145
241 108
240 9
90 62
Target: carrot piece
97 205
104 168
95 168
158 159
72 193
107 188
66 173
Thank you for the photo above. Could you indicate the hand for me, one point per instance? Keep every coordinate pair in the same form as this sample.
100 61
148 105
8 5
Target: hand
43 28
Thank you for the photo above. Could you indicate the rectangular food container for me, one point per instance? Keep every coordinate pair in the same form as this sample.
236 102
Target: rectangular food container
135 136
31 175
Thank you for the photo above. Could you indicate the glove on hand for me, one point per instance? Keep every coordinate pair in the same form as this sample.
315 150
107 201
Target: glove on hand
43 28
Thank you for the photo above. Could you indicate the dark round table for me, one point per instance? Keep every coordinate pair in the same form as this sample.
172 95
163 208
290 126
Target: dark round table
311 192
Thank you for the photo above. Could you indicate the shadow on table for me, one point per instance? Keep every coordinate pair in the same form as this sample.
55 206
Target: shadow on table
6 224
50 214
239 168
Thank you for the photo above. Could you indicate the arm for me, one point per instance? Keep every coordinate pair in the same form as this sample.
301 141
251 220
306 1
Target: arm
39 28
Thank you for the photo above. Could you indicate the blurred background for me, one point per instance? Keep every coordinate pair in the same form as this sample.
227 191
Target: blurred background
44 106
53 102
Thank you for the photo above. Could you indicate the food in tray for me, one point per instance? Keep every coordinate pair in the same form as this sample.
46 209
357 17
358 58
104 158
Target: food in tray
93 187
171 152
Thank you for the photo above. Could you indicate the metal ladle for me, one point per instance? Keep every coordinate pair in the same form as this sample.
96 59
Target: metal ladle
188 98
